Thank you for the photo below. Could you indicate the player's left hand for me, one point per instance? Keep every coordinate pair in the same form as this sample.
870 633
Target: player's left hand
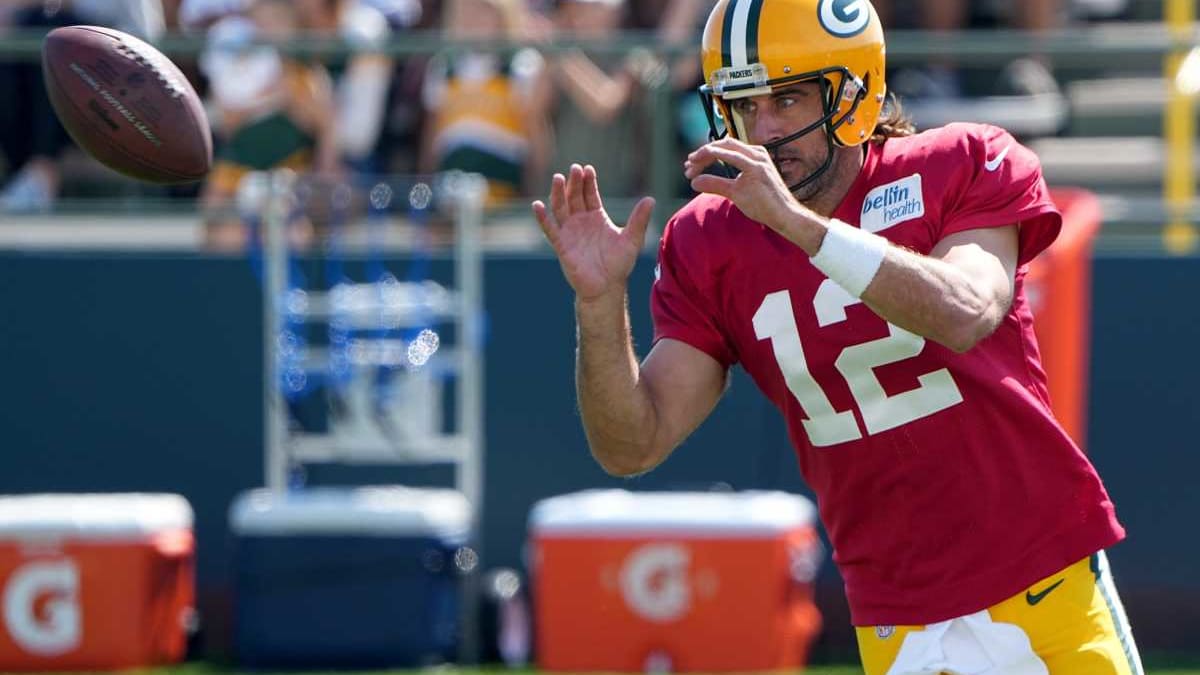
758 191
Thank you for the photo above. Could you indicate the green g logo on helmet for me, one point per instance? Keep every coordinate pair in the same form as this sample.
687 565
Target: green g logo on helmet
844 18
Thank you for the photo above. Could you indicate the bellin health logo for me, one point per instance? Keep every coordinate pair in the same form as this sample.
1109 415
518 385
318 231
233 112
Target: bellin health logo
892 204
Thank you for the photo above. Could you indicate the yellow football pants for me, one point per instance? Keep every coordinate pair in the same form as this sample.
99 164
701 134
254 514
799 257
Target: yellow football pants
1069 623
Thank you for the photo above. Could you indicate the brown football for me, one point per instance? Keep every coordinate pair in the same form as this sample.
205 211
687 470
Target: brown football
126 104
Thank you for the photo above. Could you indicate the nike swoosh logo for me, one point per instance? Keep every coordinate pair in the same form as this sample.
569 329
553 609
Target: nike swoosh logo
1035 598
993 164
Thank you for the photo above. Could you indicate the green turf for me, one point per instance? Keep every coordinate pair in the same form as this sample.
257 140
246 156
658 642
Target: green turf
202 669
198 669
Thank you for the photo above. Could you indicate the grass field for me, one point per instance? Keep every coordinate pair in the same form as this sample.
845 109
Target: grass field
199 669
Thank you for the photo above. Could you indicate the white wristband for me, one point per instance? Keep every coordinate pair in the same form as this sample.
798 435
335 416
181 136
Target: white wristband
850 256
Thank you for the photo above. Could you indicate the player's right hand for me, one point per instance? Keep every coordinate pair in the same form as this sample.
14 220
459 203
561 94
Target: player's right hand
596 255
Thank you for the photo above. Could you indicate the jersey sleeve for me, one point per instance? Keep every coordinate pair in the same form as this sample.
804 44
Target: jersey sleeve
1003 184
681 304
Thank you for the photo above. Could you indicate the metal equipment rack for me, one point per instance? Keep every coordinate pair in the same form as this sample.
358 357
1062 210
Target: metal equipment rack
409 427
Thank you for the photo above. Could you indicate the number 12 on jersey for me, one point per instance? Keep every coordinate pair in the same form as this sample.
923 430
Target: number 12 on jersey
936 391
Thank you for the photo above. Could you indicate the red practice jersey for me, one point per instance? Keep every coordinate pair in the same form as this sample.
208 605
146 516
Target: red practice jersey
943 479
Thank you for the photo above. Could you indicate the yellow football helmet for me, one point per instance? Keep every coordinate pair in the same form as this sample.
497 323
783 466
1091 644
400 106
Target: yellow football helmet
751 46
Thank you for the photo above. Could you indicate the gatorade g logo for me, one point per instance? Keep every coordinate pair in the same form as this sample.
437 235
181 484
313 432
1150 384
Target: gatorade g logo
844 18
654 582
41 607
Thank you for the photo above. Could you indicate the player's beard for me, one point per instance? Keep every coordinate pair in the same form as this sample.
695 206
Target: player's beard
794 169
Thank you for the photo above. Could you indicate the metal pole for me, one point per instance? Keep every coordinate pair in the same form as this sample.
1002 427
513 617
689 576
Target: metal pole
468 193
274 287
1179 130
469 270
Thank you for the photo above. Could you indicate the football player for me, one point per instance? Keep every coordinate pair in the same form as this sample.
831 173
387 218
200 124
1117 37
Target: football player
872 282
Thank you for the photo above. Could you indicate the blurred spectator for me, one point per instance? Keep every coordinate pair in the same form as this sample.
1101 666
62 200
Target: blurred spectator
404 110
485 111
7 10
941 81
679 25
269 111
31 138
360 80
171 15
143 18
593 123
200 15
399 13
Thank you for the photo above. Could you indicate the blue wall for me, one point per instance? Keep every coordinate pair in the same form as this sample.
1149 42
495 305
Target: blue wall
134 372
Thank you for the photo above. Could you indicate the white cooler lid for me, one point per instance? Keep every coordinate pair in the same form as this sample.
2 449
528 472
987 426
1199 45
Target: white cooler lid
751 513
377 511
92 516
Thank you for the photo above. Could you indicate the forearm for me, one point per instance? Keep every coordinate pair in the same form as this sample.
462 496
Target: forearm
956 305
934 299
617 410
600 96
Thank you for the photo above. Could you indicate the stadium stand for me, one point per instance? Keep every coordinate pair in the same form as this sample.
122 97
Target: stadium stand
1103 130
1107 61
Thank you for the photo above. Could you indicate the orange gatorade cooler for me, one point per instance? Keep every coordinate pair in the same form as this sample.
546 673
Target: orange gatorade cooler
1059 286
92 582
673 582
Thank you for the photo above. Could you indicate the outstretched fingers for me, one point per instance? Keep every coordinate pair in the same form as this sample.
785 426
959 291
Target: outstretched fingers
558 198
549 228
639 221
591 189
575 180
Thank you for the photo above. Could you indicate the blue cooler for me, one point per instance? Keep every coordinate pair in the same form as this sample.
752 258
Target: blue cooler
341 577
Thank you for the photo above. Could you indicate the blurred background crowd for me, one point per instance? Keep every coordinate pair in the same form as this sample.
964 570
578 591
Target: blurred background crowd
508 100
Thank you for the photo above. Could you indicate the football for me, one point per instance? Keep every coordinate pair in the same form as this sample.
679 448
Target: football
126 104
